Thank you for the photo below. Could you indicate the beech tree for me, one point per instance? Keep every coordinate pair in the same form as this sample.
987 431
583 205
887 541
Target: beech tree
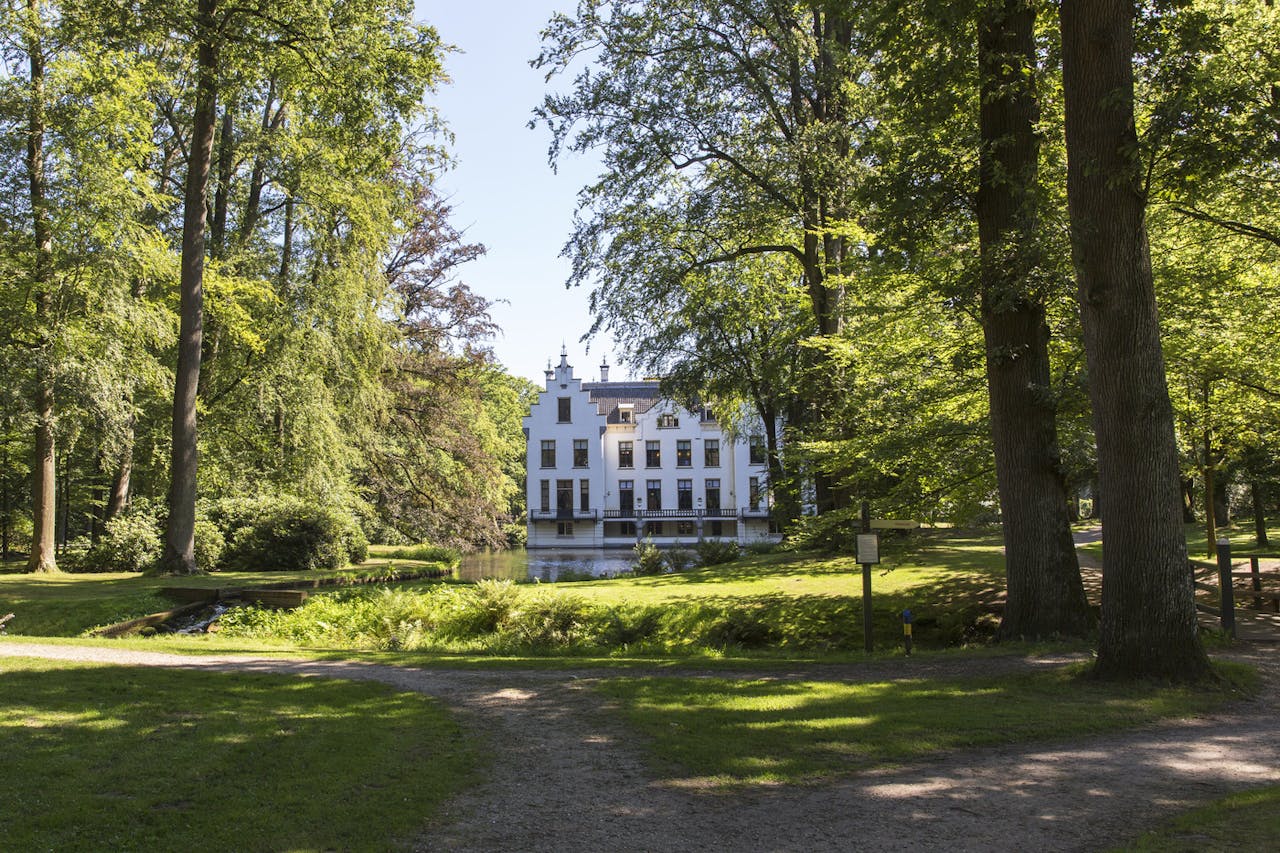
745 111
1148 624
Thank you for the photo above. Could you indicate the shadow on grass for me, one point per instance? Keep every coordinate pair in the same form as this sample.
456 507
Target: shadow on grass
945 613
977 553
101 758
788 731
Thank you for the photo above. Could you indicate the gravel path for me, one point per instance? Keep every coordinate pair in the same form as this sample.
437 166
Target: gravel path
567 776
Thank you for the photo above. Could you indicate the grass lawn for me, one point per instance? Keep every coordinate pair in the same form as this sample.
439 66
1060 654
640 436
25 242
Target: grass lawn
64 604
116 758
1241 534
1246 821
773 731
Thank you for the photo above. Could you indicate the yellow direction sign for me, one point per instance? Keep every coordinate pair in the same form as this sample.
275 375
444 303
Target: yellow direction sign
893 524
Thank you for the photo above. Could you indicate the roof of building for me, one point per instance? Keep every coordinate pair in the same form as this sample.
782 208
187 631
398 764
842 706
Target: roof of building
642 394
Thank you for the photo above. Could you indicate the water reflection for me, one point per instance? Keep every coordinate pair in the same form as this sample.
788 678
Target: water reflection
544 565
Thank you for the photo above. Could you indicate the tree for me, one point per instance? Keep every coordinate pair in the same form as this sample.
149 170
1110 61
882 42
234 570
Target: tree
44 475
743 112
1045 593
1148 626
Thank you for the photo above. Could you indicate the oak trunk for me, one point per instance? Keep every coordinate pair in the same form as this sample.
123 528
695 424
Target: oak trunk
1148 626
1045 596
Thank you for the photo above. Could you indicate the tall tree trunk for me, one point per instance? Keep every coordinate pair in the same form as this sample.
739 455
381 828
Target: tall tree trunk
118 497
258 174
1188 500
44 480
1210 513
179 552
1045 594
6 502
222 194
286 246
66 501
1259 514
1148 624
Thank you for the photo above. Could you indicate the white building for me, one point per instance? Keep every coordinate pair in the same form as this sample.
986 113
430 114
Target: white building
613 462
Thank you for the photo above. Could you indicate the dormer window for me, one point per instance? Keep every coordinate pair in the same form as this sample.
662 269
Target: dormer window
668 421
563 410
625 414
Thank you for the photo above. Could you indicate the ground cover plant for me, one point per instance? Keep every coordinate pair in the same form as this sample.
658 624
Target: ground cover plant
795 602
115 758
771 731
1246 821
66 604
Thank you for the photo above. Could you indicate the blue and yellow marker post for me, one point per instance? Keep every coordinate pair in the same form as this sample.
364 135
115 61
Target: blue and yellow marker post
906 630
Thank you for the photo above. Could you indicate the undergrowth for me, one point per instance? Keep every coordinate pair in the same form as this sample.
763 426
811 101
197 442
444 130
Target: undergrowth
499 617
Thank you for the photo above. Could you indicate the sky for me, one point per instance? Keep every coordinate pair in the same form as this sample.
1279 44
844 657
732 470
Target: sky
503 191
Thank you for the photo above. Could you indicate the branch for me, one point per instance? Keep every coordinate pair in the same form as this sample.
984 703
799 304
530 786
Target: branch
745 250
1242 228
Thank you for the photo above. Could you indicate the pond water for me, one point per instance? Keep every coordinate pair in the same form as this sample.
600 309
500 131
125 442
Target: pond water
544 565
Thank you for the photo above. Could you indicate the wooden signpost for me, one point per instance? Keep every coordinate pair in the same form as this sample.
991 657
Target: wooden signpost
869 555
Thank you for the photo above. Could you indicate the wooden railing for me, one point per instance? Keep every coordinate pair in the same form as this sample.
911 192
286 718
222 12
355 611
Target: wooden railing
1224 573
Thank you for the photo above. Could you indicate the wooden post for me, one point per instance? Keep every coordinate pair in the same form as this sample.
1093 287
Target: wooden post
866 583
1226 600
1257 582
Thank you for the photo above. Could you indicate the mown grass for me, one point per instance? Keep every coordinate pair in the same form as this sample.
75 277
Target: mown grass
734 732
64 604
1247 821
116 758
785 603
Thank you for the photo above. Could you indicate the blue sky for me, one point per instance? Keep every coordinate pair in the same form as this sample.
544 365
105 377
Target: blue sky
503 190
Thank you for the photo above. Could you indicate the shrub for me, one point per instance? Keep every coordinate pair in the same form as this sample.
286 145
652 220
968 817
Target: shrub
465 612
547 620
626 625
678 559
287 535
130 543
713 552
741 626
761 547
210 545
648 558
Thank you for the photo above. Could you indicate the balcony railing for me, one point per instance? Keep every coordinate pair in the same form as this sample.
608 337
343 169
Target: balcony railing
760 512
563 514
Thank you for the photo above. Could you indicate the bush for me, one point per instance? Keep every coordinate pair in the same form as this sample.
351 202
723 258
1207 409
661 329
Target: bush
130 543
546 621
761 547
741 626
626 625
287 535
210 545
713 552
425 553
678 559
464 612
648 558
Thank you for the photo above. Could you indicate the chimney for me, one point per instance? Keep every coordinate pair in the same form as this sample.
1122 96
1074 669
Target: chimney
604 371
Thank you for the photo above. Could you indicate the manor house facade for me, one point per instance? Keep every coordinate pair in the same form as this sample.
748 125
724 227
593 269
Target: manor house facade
613 462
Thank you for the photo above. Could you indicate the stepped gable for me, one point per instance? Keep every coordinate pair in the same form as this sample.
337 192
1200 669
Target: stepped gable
608 396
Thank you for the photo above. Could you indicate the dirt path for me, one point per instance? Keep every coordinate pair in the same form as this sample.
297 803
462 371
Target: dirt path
567 776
